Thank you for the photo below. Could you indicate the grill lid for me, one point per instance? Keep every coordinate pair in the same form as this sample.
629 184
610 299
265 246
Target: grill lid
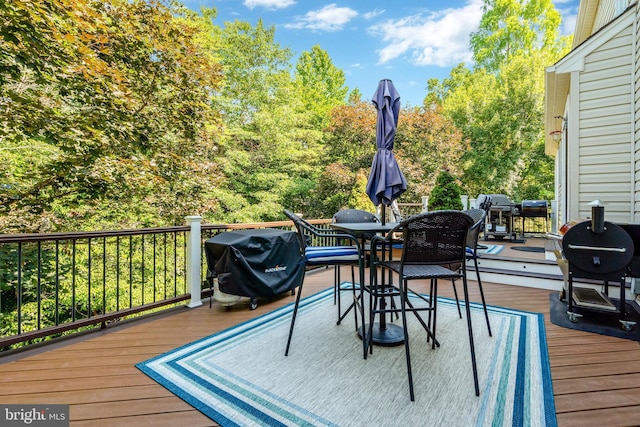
501 200
597 254
534 209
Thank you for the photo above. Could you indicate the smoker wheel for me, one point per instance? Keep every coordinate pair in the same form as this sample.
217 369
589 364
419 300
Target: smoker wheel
627 325
574 317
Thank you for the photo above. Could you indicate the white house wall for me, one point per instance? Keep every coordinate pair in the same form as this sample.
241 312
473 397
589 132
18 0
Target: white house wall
605 123
604 15
607 11
635 151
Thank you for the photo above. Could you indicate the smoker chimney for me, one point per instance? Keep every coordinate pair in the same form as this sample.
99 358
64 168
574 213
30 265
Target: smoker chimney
597 216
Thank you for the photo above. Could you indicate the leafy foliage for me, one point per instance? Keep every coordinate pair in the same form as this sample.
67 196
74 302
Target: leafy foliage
499 104
137 113
426 142
320 85
445 194
268 153
111 99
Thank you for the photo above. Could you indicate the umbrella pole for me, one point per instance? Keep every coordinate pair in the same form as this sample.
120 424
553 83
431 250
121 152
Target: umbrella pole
383 214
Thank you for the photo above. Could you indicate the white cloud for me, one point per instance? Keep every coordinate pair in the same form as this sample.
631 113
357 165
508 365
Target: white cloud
329 18
440 38
269 4
373 14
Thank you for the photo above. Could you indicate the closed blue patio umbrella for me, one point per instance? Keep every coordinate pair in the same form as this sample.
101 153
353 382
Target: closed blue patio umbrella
386 182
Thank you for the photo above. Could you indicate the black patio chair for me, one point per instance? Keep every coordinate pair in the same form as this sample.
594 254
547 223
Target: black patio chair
478 216
336 254
431 241
350 216
483 202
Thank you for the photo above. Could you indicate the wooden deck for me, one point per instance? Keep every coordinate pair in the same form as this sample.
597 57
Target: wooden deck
596 379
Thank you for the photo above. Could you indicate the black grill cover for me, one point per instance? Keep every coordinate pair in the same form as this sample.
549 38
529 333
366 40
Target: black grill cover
255 263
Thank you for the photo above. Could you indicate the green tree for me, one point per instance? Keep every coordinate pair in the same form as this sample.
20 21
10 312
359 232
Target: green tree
111 99
269 151
426 142
511 28
256 71
320 85
445 194
499 104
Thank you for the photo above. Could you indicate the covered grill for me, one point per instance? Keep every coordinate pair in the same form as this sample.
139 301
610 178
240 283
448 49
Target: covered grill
597 250
499 222
255 263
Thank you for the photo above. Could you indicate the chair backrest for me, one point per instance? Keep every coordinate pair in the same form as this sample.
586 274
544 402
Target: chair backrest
354 215
438 237
483 202
304 229
478 216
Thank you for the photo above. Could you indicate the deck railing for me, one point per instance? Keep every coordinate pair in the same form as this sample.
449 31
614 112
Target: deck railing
60 283
56 284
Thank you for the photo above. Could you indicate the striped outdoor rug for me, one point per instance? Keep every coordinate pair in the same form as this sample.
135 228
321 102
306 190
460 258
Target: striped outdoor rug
491 249
241 377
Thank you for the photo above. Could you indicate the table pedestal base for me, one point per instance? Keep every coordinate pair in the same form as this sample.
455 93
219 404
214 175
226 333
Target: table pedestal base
390 336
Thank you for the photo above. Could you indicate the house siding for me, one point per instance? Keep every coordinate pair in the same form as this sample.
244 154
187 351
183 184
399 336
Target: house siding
635 152
606 125
608 10
606 13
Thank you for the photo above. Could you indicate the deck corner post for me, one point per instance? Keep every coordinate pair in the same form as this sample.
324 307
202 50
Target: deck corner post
194 254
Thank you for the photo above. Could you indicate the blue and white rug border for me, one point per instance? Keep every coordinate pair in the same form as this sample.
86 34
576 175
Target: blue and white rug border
284 314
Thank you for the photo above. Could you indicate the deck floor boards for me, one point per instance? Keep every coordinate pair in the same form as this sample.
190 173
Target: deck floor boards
596 378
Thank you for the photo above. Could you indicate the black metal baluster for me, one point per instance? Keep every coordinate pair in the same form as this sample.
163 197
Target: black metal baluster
89 277
154 267
19 302
175 263
165 264
184 257
142 266
104 275
130 271
73 280
117 273
57 284
39 287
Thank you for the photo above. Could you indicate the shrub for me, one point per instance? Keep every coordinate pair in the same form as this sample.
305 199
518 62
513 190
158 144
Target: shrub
446 193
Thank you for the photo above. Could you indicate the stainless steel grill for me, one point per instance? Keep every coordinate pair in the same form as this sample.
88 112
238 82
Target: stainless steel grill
499 222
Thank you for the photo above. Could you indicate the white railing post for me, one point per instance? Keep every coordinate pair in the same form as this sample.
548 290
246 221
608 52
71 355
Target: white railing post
193 261
425 203
472 204
464 199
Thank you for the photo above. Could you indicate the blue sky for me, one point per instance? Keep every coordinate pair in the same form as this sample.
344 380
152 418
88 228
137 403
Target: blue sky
407 41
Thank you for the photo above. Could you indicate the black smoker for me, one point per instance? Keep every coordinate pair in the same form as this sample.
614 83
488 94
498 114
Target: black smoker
597 250
534 209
